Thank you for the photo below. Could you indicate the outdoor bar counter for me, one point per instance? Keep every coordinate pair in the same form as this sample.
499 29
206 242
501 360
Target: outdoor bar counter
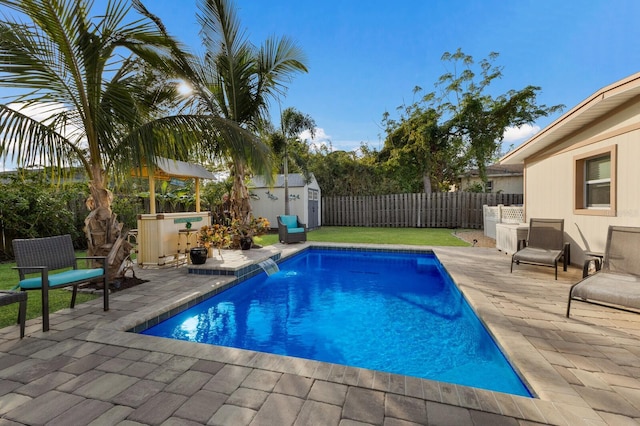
165 238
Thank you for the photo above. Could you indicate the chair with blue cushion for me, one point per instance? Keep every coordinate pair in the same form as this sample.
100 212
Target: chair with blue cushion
291 230
43 256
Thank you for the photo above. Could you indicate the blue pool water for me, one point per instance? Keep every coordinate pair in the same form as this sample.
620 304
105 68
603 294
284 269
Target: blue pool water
394 312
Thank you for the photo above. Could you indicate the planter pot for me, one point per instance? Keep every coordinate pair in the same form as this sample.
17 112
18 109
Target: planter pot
198 255
245 243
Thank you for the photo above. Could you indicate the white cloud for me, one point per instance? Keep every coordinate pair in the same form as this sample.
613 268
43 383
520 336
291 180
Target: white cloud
515 135
321 140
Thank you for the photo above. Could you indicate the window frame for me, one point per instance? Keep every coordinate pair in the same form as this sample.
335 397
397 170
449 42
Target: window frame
580 189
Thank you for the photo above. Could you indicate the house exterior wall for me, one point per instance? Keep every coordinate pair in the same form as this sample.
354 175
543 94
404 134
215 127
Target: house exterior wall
550 180
502 184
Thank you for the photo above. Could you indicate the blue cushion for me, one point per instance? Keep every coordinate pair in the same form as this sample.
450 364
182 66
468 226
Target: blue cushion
289 221
295 230
62 278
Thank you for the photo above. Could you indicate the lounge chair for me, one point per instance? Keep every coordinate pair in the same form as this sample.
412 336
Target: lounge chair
617 283
545 245
291 230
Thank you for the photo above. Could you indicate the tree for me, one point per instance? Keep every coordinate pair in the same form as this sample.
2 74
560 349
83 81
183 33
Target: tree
342 173
292 123
461 126
478 118
418 152
100 110
236 80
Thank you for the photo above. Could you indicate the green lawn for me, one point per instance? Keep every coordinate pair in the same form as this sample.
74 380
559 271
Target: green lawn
60 299
352 234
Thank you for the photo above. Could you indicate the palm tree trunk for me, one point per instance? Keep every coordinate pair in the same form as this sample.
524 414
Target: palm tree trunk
104 233
240 203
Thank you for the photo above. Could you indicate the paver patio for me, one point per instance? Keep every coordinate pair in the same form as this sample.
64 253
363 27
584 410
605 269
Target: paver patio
89 370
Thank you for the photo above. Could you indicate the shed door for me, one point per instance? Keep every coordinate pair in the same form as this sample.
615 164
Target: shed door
314 195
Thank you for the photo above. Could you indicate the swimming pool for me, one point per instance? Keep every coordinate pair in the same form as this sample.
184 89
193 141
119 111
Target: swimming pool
390 311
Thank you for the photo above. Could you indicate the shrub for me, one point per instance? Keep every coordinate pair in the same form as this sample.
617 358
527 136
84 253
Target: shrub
30 208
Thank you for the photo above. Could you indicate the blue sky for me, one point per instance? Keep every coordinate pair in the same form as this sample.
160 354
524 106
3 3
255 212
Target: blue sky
366 56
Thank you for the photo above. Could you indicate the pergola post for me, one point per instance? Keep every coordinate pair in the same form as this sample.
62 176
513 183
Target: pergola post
152 194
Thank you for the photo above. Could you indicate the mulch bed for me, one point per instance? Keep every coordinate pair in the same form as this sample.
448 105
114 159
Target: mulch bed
120 284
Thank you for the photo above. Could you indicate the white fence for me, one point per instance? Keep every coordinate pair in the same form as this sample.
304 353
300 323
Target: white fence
500 214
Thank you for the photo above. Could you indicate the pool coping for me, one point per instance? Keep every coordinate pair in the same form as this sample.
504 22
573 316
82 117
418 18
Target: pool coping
538 374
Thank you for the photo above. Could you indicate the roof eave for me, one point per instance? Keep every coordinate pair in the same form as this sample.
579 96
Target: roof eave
554 131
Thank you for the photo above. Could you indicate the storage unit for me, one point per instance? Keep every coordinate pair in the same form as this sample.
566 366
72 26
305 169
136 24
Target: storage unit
508 235
304 199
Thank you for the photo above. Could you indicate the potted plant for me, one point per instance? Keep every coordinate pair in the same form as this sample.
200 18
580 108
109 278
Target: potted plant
244 231
214 236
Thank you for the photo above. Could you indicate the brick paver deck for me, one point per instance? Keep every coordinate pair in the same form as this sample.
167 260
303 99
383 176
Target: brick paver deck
89 370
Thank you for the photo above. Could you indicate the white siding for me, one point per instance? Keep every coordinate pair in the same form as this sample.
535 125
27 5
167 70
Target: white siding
267 206
549 187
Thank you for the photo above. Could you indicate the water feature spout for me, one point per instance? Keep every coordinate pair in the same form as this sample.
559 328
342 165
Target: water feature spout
269 266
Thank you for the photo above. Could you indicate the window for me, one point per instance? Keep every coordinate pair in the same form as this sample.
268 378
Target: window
595 189
489 186
598 182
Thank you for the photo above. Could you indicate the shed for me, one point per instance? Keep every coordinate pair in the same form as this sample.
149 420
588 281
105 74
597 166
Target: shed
304 199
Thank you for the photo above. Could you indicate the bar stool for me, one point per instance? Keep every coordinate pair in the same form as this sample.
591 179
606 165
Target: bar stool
8 297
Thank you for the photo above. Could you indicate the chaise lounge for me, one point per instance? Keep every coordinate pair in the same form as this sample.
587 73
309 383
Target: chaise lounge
617 283
545 245
291 230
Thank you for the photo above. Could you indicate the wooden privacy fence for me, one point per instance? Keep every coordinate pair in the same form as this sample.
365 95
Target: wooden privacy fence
435 210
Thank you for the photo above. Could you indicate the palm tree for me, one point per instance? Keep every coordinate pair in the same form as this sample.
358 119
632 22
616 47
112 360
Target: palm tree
101 110
292 123
236 80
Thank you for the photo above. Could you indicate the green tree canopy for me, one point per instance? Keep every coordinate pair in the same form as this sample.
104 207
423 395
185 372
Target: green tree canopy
460 125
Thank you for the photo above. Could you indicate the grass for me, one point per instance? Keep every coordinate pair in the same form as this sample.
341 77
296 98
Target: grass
346 234
60 299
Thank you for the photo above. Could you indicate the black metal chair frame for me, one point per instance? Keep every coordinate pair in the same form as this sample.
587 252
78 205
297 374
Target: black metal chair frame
9 297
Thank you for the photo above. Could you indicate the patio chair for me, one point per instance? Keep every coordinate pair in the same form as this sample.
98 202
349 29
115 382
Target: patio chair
291 230
8 297
545 245
46 256
617 283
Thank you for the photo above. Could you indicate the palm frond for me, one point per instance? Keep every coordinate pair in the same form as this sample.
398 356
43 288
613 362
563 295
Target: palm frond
174 136
278 59
29 142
